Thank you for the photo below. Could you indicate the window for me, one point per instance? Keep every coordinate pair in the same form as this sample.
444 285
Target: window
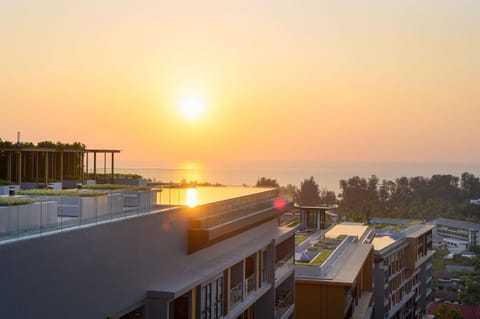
211 299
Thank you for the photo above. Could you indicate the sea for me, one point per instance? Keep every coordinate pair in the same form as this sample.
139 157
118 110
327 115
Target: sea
327 175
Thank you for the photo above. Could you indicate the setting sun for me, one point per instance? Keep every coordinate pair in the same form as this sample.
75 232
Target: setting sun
192 106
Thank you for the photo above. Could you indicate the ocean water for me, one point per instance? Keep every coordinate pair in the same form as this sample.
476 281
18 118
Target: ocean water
327 175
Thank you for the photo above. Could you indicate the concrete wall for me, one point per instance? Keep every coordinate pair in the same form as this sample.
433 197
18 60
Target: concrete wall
91 272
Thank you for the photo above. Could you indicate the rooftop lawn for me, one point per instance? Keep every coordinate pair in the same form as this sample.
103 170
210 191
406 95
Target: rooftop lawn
300 239
13 201
319 260
61 192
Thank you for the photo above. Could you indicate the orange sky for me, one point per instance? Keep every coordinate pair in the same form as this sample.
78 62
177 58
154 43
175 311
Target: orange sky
281 80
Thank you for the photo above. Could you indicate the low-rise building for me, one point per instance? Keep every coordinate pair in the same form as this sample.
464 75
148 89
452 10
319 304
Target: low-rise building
334 274
461 231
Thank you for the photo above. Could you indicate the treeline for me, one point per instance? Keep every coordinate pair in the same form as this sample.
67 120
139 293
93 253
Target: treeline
415 197
43 144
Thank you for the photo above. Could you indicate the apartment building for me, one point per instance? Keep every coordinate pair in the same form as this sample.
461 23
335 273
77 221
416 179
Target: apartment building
402 272
458 234
226 257
339 284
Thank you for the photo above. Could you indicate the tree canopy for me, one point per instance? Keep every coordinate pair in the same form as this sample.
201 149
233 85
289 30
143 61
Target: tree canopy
414 197
267 182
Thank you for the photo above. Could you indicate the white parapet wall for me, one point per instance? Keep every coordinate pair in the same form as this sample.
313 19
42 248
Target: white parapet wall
23 219
5 189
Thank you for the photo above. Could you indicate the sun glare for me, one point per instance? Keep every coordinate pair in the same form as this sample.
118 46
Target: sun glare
192 106
191 197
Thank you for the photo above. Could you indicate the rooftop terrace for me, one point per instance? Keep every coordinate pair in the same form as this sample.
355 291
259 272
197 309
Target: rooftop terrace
319 257
57 213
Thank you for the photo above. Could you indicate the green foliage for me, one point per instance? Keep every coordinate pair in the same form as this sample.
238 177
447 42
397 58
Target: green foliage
445 312
341 237
293 224
416 197
4 182
267 182
13 201
299 239
62 192
116 175
44 144
309 193
115 187
289 192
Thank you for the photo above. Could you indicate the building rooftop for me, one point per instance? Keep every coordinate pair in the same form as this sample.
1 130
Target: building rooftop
333 257
204 195
456 223
349 229
417 230
349 267
380 242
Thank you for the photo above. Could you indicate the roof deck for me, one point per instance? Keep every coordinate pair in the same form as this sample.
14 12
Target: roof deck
211 208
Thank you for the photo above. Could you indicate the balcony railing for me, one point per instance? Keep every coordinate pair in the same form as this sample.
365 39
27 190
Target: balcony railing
56 213
236 295
284 265
251 283
282 304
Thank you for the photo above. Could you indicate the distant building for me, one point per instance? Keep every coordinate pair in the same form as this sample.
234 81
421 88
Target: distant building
402 272
317 217
341 285
475 201
225 258
462 231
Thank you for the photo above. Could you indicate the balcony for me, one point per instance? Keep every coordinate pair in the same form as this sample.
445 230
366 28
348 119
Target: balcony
283 304
236 295
283 266
250 283
429 291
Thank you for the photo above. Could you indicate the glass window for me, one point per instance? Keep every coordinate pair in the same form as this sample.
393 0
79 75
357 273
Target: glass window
211 299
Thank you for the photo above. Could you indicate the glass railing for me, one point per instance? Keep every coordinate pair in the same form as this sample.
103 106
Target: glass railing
284 265
236 295
52 213
282 304
251 283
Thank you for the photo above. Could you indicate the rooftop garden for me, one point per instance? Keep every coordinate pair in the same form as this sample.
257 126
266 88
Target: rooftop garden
44 144
13 201
324 247
395 224
300 239
114 187
293 224
116 175
62 192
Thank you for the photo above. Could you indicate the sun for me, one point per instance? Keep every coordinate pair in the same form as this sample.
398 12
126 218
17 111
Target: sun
192 106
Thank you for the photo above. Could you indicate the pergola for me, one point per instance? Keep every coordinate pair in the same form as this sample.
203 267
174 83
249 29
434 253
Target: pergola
39 164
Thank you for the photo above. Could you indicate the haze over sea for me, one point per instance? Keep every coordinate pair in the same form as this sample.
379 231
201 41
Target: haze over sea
327 175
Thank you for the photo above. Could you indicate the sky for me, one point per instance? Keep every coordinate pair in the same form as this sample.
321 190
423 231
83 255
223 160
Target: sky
346 81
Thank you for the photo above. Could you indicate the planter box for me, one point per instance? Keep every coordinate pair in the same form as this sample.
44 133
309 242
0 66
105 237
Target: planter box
143 199
5 190
87 209
29 218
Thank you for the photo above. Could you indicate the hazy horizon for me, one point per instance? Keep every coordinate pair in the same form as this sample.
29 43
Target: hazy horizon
220 83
